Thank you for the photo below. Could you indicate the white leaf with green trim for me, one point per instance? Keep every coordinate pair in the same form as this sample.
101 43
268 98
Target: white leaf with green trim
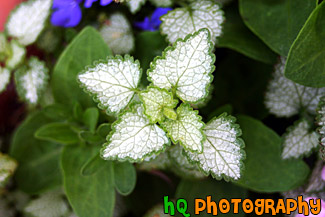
299 140
17 55
7 168
156 101
117 33
135 5
186 68
112 82
51 204
31 80
27 21
133 137
285 98
321 122
181 166
186 129
4 78
162 3
223 152
200 14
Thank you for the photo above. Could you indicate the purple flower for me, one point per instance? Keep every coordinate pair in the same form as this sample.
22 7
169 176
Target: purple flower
152 23
323 173
67 13
88 3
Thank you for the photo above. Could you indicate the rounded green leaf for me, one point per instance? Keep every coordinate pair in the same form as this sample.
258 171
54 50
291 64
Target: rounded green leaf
276 22
125 177
265 170
306 60
92 195
86 48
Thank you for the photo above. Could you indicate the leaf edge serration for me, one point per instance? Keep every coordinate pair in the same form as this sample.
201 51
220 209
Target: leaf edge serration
104 61
153 64
239 141
201 129
175 101
131 108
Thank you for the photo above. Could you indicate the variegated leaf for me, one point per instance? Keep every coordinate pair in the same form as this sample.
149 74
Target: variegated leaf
133 137
299 140
17 55
320 119
51 204
186 68
162 3
181 166
112 82
223 152
7 168
285 98
156 101
117 33
135 5
4 78
200 14
27 21
186 129
31 81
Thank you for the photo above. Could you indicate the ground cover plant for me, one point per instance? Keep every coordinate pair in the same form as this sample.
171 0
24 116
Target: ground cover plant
108 107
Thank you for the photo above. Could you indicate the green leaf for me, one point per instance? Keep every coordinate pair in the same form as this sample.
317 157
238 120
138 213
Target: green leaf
238 37
186 68
91 138
125 177
38 160
276 22
133 137
77 111
103 130
265 170
57 112
191 190
94 165
306 60
87 47
90 118
186 129
148 46
88 195
155 100
57 132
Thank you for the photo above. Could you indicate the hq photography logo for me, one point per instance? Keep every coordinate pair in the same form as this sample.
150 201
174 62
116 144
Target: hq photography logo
258 206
